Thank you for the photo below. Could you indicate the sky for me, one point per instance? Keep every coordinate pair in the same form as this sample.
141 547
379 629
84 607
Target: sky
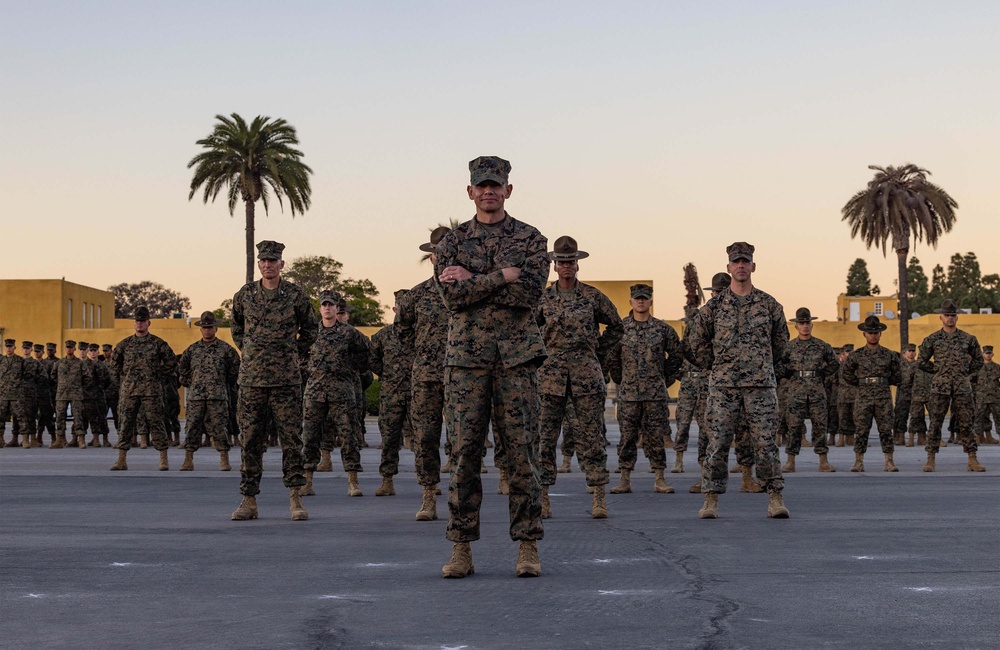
655 133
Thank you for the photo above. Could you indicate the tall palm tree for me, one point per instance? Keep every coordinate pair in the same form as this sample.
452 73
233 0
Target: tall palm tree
252 162
898 203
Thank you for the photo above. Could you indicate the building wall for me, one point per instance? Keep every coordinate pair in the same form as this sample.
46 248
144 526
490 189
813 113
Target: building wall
866 306
37 310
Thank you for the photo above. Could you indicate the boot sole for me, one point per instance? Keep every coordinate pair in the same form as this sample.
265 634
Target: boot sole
668 490
302 517
778 515
708 515
242 518
529 572
454 574
426 517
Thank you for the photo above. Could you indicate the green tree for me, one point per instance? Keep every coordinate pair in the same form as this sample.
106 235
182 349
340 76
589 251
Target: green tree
318 273
859 283
900 203
252 162
939 287
161 301
224 313
360 295
919 287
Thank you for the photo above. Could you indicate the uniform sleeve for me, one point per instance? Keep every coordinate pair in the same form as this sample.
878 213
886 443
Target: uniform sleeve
168 359
977 358
117 361
607 315
462 295
614 363
702 354
232 367
926 353
184 368
308 324
360 353
406 324
779 334
850 374
830 363
237 322
526 291
674 360
376 353
895 370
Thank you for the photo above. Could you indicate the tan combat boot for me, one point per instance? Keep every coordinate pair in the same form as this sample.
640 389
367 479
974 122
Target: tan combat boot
660 485
840 440
806 442
859 462
789 466
678 467
735 469
325 463
929 465
483 469
143 441
528 564
624 483
387 489
57 443
710 510
990 440
188 464
295 504
696 488
599 507
164 464
81 441
428 506
120 464
566 467
107 443
307 489
974 465
26 441
447 468
748 484
546 506
224 465
909 439
13 441
96 442
890 466
824 464
353 489
460 564
246 510
503 487
776 506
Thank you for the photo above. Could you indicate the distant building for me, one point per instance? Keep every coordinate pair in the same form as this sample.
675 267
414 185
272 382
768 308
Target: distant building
854 309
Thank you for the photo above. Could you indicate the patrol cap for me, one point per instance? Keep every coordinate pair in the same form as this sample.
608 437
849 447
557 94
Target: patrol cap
910 347
26 344
740 251
9 343
849 347
436 236
641 291
987 349
803 315
38 347
399 293
948 308
70 343
94 347
269 250
141 313
488 168
51 346
720 281
82 345
107 347
342 306
329 297
207 320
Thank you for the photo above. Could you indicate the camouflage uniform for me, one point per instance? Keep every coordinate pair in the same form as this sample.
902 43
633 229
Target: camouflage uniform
47 399
904 398
96 379
644 364
570 324
139 363
807 364
691 405
68 376
872 371
111 394
920 398
988 397
494 348
16 393
273 329
172 406
845 406
740 338
392 363
954 359
208 370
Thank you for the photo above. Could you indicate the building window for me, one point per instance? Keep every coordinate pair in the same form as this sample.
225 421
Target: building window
878 309
83 315
69 314
91 316
98 317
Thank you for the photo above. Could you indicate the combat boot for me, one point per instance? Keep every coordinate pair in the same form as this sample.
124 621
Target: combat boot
188 464
566 467
890 466
696 488
96 442
840 439
482 467
164 466
678 467
325 462
120 464
806 442
528 564
26 441
81 441
144 441
859 462
974 465
897 439
789 466
735 469
748 484
824 464
460 564
503 487
546 506
624 483
776 506
224 465
942 444
353 489
929 465
13 441
990 440
921 439
246 510
660 485
387 489
107 443
57 443
428 506
447 468
710 510
909 439
307 489
295 504
599 507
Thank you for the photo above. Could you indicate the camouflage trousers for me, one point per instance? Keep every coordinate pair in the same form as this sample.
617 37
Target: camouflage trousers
46 419
211 416
800 407
570 428
426 414
588 438
96 416
141 412
832 416
878 409
918 416
393 415
78 424
690 406
743 444
253 410
469 399
324 421
985 410
113 405
845 415
359 417
900 415
962 410
727 408
649 419
21 410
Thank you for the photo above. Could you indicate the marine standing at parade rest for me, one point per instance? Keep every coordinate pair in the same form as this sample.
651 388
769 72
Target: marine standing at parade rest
208 370
111 394
492 272
43 396
904 396
988 396
643 365
139 363
15 387
47 408
68 375
872 369
846 394
96 379
273 324
954 358
739 335
570 316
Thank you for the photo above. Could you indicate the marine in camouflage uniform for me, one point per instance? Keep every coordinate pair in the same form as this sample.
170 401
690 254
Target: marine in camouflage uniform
111 394
570 316
139 363
873 369
96 379
846 394
172 406
988 396
362 380
832 385
47 403
32 370
644 364
920 398
208 370
954 358
904 396
740 334
690 406
273 325
806 364
492 271
16 392
68 376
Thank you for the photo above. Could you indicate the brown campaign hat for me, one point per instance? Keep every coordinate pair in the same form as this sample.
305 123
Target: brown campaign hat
207 320
269 250
488 168
641 291
565 248
740 251
436 236
948 308
720 281
803 315
872 324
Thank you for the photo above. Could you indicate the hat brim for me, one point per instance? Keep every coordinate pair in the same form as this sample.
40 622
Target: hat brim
804 320
568 257
202 323
872 330
642 295
482 178
428 247
741 256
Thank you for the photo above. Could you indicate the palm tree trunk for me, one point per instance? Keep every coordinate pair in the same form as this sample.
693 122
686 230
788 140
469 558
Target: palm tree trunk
250 242
904 299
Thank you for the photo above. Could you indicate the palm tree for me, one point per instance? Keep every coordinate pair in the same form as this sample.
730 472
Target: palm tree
898 203
252 162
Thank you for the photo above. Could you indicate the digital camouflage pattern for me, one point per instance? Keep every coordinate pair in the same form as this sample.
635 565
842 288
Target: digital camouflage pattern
17 393
140 363
754 411
988 396
904 396
646 419
209 371
586 438
691 400
96 379
68 374
807 364
393 363
953 358
256 407
872 371
846 395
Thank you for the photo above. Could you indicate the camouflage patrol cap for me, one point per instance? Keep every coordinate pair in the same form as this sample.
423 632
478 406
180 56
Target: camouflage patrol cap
399 293
910 347
488 168
82 345
9 343
436 236
565 249
740 251
987 349
207 320
948 308
269 250
26 344
141 313
871 325
70 343
849 347
329 297
342 306
94 347
38 347
641 291
720 281
107 347
51 346
803 315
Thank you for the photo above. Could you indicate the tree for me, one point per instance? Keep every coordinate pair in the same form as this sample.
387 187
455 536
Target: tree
919 287
900 203
318 273
360 296
859 283
252 162
161 301
224 313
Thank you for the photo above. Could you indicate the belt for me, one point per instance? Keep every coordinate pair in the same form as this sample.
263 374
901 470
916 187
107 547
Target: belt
806 373
692 375
874 380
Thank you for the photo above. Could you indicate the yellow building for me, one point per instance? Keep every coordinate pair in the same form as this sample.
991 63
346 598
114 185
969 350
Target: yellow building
43 310
854 309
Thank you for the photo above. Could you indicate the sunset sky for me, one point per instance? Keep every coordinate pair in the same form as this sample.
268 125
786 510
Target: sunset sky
655 133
